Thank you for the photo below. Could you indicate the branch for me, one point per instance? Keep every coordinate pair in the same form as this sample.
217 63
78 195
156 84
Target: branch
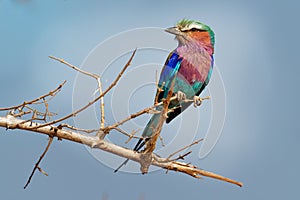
51 93
151 143
36 166
184 148
95 76
148 110
130 136
10 122
73 114
146 158
139 113
77 129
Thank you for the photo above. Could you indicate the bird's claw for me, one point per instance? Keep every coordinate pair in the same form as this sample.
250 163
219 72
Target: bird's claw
197 101
181 96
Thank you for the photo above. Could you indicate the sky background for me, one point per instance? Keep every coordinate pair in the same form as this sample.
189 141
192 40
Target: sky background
256 52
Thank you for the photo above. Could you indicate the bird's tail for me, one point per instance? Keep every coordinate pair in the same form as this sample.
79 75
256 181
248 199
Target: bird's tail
151 126
148 132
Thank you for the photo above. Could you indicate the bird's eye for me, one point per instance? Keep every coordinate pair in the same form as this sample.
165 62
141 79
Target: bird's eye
195 29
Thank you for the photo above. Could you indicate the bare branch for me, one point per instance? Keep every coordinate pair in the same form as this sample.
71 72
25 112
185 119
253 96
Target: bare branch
122 72
36 166
21 113
184 148
74 67
194 171
51 93
95 76
73 114
102 124
77 129
182 156
130 136
10 122
144 111
151 143
132 116
161 140
146 158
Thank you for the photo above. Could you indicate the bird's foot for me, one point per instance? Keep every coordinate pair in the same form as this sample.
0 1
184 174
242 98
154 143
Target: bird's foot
198 100
181 96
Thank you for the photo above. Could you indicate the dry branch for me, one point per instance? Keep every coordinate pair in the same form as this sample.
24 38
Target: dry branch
36 166
95 76
184 148
25 103
10 122
68 132
73 114
134 115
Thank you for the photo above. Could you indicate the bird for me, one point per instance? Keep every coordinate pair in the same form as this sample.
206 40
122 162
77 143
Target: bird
186 72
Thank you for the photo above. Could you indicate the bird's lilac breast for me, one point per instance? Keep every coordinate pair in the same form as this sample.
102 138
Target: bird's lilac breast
195 65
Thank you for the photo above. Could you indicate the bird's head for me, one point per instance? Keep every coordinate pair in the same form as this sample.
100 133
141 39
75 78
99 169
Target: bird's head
192 32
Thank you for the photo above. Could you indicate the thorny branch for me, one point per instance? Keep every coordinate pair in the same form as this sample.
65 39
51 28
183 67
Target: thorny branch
132 116
130 136
36 100
36 166
73 114
95 76
151 143
182 149
10 122
145 158
77 129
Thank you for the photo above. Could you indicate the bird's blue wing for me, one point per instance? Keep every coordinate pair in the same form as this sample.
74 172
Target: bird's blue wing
168 73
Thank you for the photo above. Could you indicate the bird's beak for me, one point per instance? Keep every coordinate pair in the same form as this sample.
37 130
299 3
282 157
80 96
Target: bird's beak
173 30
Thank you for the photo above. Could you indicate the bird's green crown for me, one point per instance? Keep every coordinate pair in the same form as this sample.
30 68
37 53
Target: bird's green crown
189 25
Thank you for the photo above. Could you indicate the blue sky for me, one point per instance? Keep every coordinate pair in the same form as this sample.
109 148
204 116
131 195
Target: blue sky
256 47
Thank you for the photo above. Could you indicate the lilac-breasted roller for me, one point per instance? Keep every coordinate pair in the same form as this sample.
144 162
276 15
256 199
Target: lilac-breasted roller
189 66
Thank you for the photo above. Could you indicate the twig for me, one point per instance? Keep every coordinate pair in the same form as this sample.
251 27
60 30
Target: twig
38 113
181 157
38 162
95 76
77 129
161 140
132 116
130 136
93 101
74 67
184 148
51 93
102 124
21 113
144 111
